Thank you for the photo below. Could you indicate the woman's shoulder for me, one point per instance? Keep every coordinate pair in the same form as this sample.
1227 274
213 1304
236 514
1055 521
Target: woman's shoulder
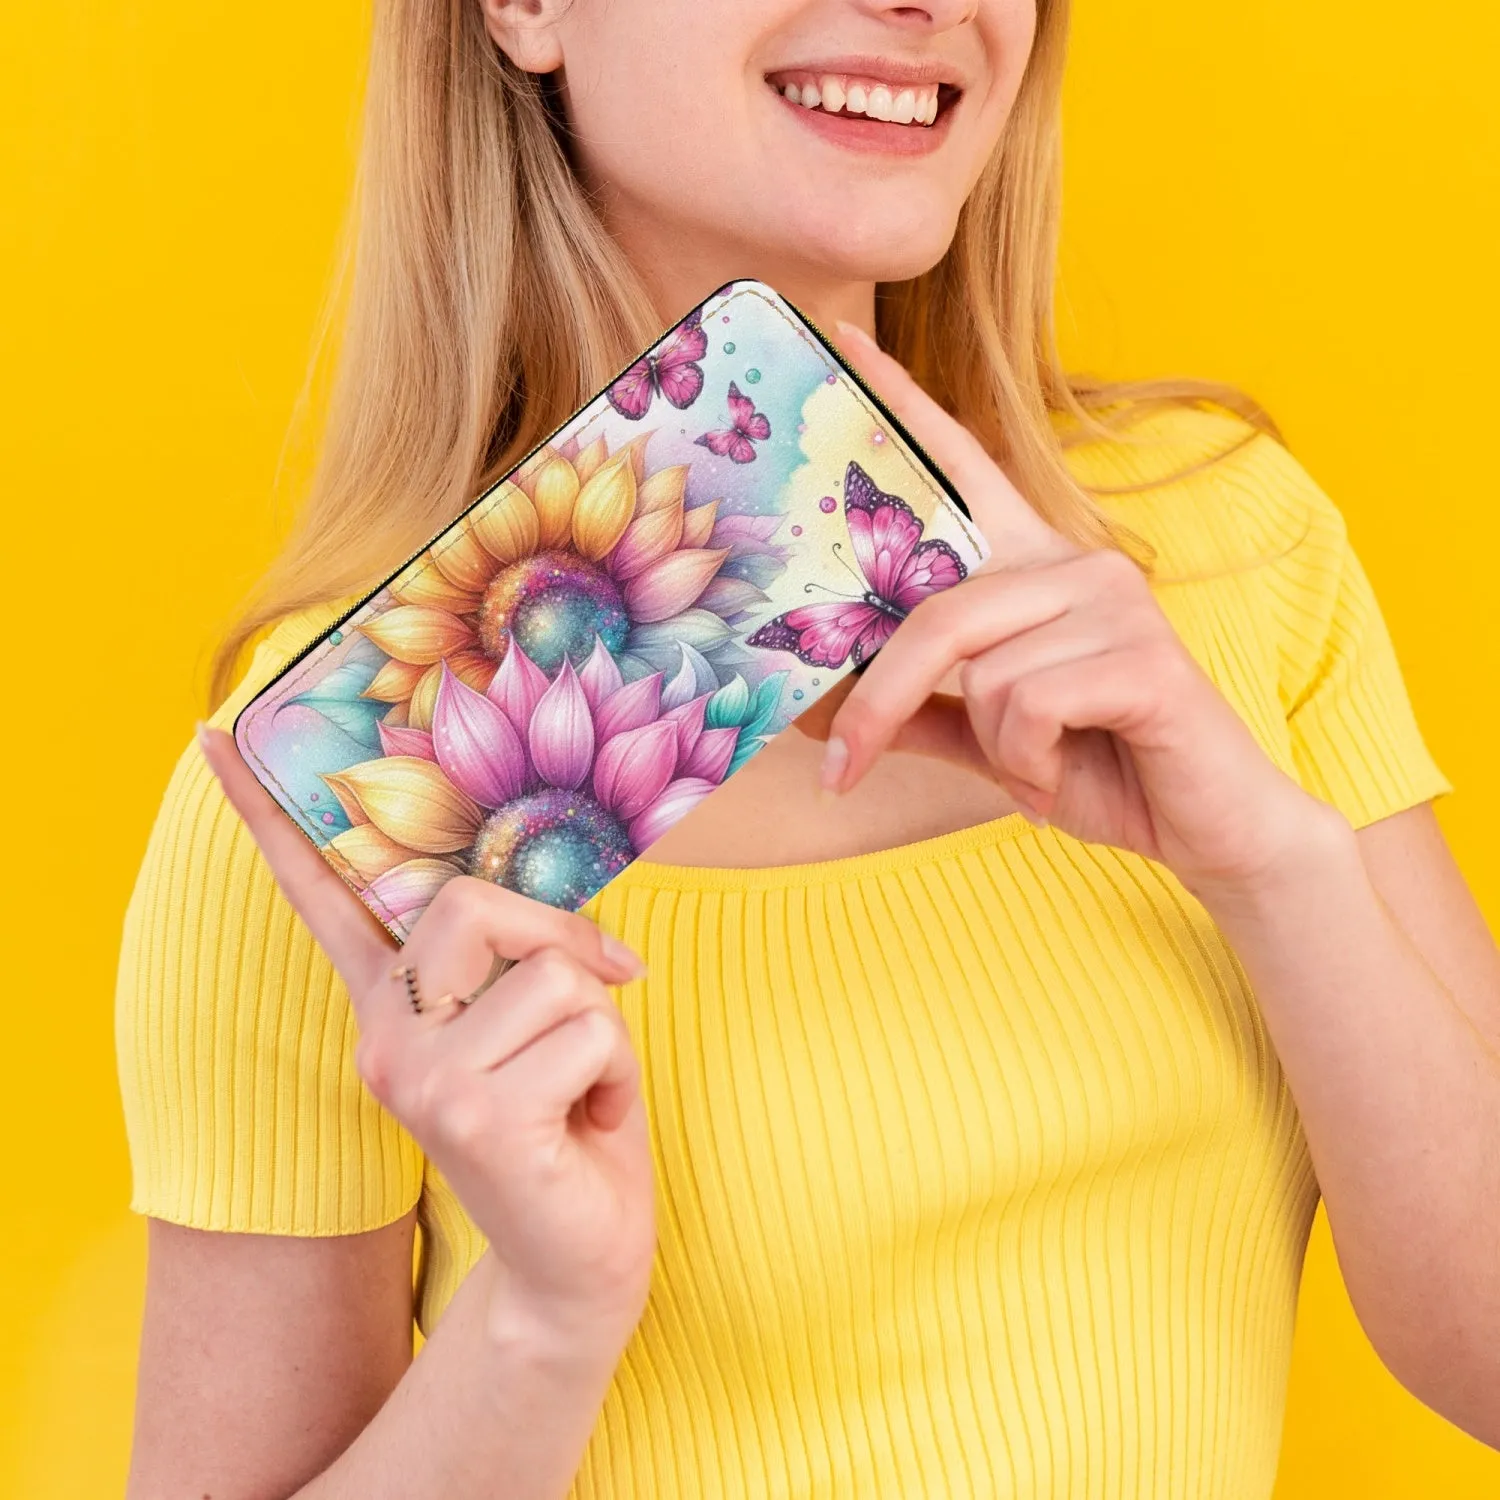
1209 489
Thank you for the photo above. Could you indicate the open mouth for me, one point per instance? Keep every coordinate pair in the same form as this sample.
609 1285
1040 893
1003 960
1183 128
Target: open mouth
918 106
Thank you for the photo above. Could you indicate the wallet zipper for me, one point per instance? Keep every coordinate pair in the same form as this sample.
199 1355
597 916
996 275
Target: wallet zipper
895 422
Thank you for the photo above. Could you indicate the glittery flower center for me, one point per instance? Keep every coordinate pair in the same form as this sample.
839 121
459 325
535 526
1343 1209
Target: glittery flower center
555 846
553 604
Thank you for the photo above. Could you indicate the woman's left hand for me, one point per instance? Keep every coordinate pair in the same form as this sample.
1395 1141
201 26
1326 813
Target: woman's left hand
1078 696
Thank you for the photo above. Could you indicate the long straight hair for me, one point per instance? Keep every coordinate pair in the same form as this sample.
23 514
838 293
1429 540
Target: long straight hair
481 301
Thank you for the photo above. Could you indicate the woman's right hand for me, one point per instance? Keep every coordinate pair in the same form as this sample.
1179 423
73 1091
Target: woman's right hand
527 1099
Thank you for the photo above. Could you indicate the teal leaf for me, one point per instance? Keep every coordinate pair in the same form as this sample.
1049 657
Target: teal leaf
337 699
728 707
766 702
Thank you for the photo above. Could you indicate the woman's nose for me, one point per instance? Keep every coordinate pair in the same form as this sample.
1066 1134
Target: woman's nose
938 15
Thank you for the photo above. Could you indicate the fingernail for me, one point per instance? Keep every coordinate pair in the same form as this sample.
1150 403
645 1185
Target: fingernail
621 956
855 332
1028 803
201 730
835 763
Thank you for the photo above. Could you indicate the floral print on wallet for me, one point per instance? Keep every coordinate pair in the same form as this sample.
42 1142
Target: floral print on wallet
610 632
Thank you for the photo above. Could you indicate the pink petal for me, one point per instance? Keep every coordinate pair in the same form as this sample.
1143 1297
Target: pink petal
636 703
562 731
398 739
633 768
710 757
600 675
688 717
408 887
476 745
683 685
669 586
518 687
676 801
744 531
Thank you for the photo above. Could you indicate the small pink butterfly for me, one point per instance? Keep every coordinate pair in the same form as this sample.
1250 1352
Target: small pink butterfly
899 568
736 440
674 372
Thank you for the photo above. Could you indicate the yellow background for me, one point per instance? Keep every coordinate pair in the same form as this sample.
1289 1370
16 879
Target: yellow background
1299 198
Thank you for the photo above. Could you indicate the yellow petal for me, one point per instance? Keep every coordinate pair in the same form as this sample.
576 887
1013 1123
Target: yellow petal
462 559
368 852
410 800
506 524
636 448
553 494
423 583
604 508
589 459
394 682
525 476
418 634
396 717
698 524
349 802
419 710
473 668
663 490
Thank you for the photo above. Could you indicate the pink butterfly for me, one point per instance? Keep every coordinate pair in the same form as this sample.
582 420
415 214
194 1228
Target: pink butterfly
899 568
674 372
735 440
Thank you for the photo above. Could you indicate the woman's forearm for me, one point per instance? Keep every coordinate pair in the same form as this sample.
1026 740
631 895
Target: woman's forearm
496 1406
1399 1096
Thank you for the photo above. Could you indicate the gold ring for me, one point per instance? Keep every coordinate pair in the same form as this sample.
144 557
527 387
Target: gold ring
497 968
408 976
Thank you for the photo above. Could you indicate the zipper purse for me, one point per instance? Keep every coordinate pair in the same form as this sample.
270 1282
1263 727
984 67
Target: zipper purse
730 527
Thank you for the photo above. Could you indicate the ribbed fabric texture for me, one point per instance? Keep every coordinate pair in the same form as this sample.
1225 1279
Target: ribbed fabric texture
976 1172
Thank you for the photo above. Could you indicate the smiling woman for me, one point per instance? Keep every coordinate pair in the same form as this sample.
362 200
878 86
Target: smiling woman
940 1107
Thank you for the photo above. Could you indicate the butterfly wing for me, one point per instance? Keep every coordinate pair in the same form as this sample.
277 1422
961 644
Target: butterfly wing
932 567
828 635
742 412
723 443
678 373
883 529
631 394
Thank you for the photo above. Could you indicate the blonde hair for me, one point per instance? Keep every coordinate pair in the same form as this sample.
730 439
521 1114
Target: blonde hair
483 302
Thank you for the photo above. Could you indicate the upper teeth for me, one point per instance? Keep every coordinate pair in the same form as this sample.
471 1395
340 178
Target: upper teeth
856 96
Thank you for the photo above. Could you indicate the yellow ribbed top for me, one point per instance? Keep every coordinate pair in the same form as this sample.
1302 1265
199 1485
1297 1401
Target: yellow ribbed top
977 1174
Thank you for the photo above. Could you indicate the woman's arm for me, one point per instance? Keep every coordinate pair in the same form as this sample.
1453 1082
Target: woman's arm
1380 986
1079 698
273 1366
264 1356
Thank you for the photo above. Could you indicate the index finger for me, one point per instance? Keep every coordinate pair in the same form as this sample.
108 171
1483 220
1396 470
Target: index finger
339 921
1017 535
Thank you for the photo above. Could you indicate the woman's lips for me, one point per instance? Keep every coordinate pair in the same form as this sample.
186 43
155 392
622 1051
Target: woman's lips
868 114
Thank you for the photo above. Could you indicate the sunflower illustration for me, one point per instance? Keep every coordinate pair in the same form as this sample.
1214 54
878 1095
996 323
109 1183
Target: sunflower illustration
546 787
579 545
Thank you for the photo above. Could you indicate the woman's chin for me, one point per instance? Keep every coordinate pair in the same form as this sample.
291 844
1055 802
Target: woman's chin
839 250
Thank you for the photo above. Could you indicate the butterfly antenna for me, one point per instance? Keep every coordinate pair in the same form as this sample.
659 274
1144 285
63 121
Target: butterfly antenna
859 578
807 588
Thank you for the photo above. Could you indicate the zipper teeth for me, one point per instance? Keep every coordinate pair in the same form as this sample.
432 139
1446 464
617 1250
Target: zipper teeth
947 484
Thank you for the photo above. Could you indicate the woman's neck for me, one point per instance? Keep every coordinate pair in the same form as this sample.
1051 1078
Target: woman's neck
680 267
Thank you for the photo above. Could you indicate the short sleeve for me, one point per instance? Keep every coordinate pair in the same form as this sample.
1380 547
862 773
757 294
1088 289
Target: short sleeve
1354 735
235 1038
